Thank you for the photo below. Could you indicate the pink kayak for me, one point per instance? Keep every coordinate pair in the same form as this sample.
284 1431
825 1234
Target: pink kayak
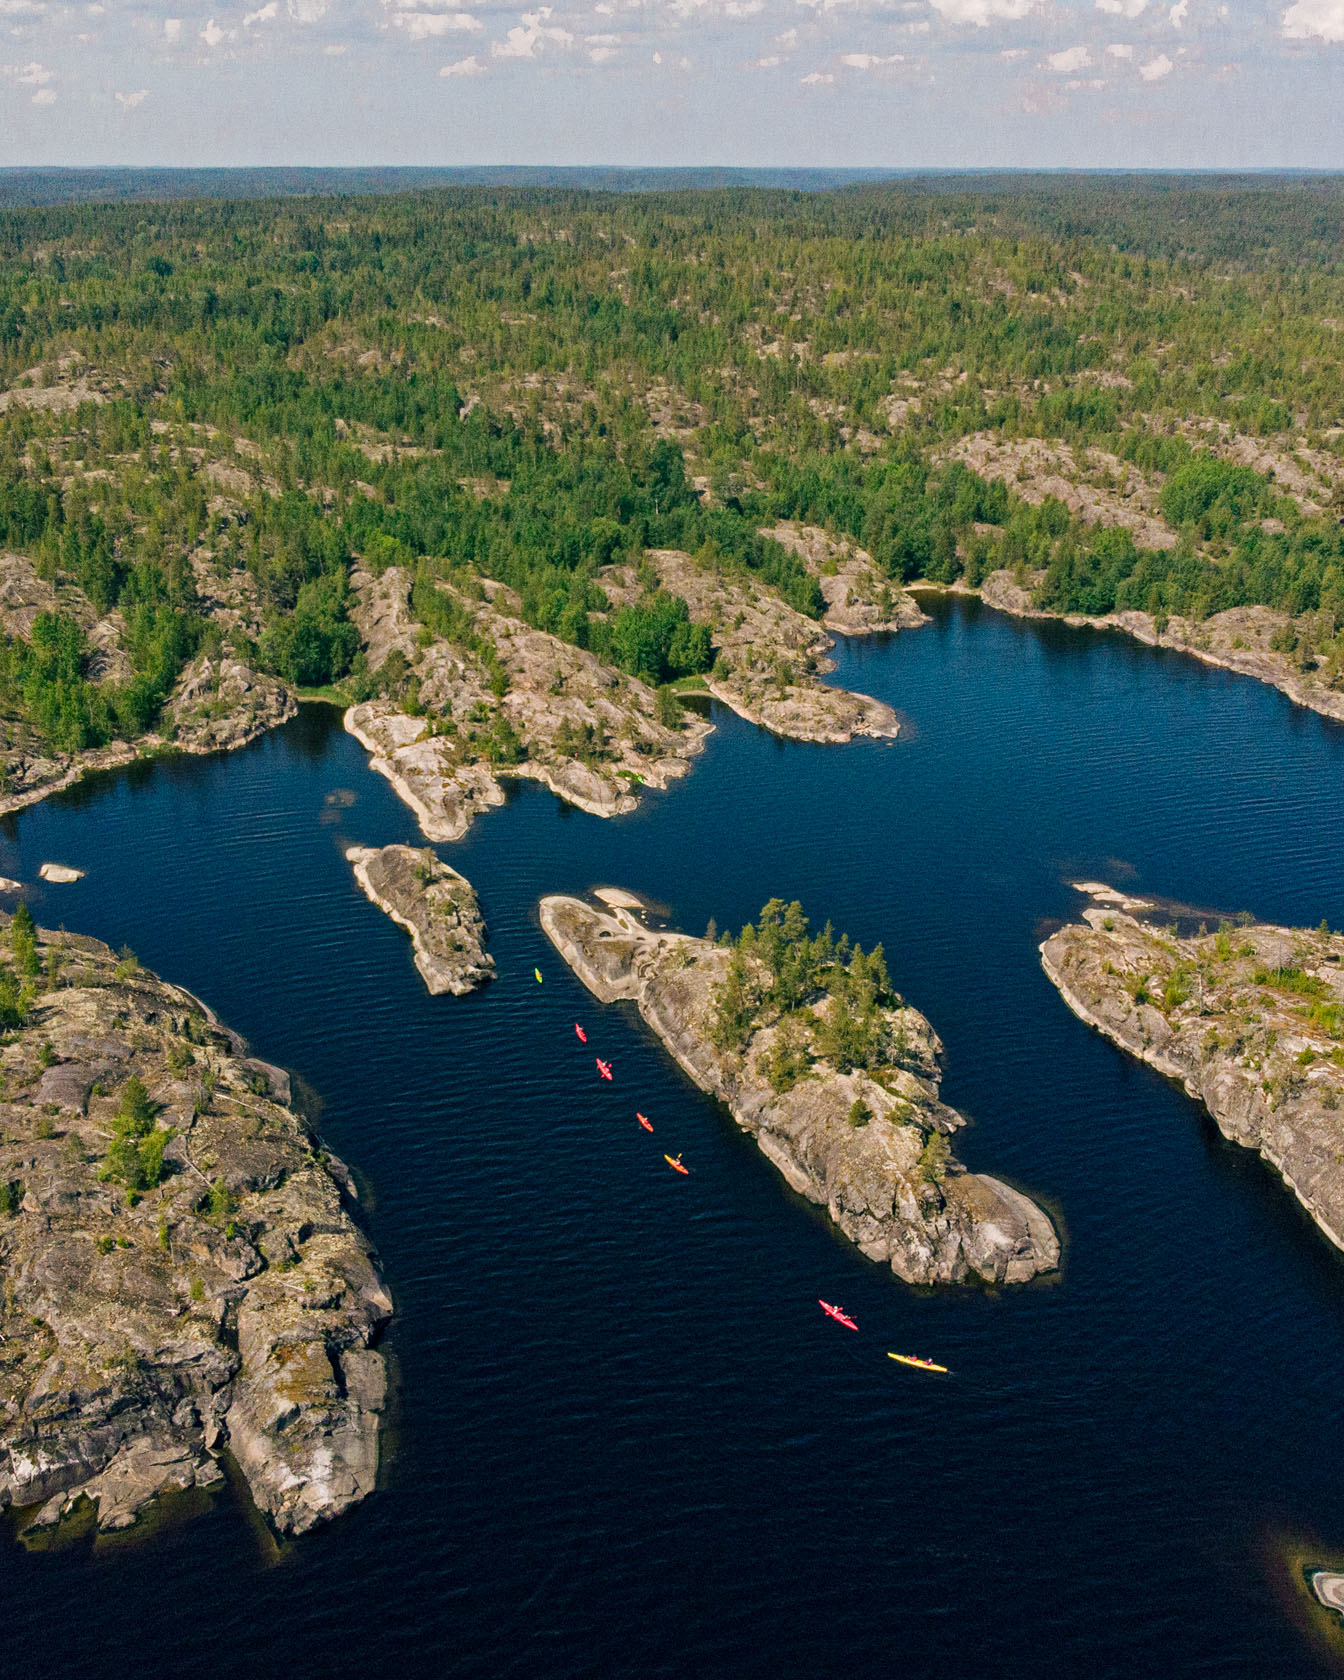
837 1315
583 1036
604 1068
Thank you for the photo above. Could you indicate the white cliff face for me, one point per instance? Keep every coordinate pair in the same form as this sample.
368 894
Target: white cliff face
871 1178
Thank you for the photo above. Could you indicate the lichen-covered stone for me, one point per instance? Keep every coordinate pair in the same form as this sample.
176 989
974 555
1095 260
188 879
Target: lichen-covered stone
436 906
1249 1019
233 1304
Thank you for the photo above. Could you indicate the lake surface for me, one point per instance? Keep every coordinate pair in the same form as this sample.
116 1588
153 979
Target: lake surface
626 1440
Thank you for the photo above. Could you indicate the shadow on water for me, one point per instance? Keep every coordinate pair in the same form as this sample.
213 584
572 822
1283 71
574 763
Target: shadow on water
626 1440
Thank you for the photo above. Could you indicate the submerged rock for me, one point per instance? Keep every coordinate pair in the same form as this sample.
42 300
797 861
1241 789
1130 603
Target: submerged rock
1248 1019
859 1143
181 1275
436 906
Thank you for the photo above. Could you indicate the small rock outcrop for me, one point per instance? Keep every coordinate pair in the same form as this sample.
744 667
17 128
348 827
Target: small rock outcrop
1249 1019
181 1275
436 906
868 1144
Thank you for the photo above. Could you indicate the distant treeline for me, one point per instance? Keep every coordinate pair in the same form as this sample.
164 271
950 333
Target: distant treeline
533 384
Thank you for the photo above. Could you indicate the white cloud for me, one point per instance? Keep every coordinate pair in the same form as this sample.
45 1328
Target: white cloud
267 13
421 26
788 40
530 34
1070 61
212 34
1119 49
981 13
771 61
172 29
1010 53
816 78
31 75
1178 13
1156 68
21 8
335 50
44 96
131 100
464 67
869 61
1123 8
1315 20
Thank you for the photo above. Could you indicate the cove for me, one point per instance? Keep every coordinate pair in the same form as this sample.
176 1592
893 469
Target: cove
626 1441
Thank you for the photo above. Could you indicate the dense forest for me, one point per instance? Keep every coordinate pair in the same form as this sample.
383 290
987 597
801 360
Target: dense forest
211 411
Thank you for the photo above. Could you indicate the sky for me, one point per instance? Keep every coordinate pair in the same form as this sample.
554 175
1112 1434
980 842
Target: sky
1194 84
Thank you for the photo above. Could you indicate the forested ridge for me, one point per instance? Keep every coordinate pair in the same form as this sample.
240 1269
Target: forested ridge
210 412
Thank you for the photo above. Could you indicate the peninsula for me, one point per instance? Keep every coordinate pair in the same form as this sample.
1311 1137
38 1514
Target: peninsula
1249 1019
436 906
182 1276
834 1075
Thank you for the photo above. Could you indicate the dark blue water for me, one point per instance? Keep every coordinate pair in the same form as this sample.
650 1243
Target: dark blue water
626 1442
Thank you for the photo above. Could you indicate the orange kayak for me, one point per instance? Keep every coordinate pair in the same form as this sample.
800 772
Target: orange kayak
647 1124
674 1161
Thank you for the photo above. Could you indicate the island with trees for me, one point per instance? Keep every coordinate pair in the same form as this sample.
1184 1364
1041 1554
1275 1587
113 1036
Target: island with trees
835 1076
1248 1018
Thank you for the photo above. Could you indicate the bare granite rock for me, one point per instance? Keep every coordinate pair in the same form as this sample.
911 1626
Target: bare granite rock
220 703
770 656
436 906
230 1303
546 711
873 1177
860 599
1250 1020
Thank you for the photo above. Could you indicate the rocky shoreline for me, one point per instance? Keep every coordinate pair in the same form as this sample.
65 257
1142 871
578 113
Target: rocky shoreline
436 906
857 1143
1236 640
182 1276
1250 1020
217 705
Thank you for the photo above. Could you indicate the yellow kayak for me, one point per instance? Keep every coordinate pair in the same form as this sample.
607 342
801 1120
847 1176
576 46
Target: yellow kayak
919 1364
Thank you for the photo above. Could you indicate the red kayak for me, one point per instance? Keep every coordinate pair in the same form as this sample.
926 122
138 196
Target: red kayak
604 1068
583 1036
837 1315
647 1124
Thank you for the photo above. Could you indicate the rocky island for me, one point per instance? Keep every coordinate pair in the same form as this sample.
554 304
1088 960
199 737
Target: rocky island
181 1275
1249 1019
436 906
834 1075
